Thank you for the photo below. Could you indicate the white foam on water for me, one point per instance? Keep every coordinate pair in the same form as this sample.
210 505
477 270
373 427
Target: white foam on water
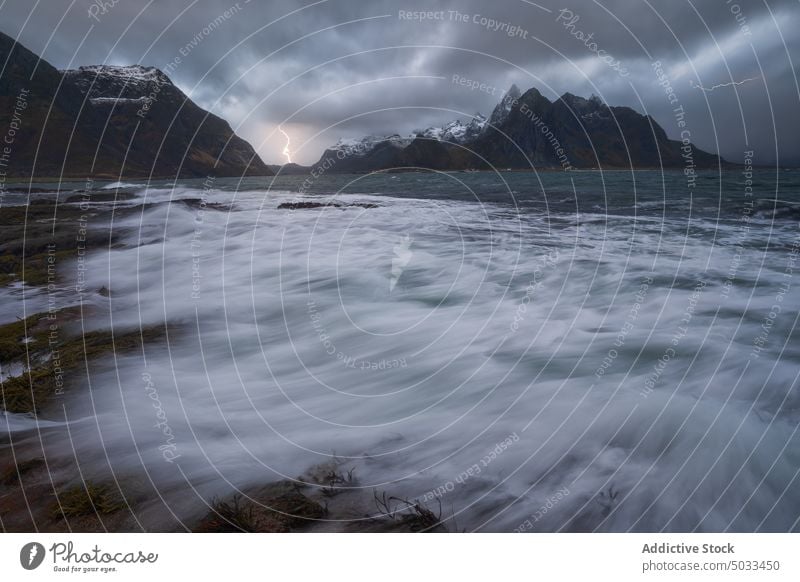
290 344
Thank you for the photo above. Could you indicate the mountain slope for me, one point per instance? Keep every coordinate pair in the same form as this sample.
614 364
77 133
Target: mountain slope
106 121
581 133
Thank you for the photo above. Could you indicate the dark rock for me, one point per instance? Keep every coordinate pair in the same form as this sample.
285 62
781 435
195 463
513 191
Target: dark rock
106 196
310 205
32 191
199 204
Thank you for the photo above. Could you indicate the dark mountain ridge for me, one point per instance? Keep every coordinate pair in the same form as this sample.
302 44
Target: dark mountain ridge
528 131
110 122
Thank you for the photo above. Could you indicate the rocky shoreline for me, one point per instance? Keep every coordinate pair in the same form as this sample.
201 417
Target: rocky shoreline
49 355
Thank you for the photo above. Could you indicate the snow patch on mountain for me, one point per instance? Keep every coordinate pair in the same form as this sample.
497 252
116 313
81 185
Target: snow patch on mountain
134 74
101 82
456 131
116 100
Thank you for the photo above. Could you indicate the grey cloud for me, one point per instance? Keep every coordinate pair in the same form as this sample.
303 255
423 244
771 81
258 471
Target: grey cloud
245 86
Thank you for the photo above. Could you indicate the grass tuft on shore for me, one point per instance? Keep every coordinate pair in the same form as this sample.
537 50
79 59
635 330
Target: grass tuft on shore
13 474
286 512
87 499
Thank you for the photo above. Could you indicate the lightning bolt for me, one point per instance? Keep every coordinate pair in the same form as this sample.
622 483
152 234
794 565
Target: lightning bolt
731 84
32 555
286 151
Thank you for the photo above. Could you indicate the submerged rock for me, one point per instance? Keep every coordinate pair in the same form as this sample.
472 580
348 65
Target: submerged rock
311 205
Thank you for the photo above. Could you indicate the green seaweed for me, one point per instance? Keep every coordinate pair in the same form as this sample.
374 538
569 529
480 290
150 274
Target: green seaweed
29 392
87 499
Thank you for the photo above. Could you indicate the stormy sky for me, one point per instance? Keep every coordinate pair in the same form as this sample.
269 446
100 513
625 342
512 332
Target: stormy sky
344 68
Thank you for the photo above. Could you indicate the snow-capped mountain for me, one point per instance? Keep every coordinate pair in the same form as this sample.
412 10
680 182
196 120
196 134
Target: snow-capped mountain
347 147
134 76
524 131
112 121
456 131
120 85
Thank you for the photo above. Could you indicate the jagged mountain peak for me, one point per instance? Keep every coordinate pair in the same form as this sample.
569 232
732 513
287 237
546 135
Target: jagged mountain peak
591 109
502 110
576 100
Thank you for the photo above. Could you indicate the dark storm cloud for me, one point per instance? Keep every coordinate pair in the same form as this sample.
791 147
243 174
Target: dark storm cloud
345 68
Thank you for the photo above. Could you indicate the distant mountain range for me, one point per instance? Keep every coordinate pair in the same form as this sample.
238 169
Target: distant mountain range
110 122
525 131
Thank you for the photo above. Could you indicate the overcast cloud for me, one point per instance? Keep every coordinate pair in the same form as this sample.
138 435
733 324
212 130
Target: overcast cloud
342 68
